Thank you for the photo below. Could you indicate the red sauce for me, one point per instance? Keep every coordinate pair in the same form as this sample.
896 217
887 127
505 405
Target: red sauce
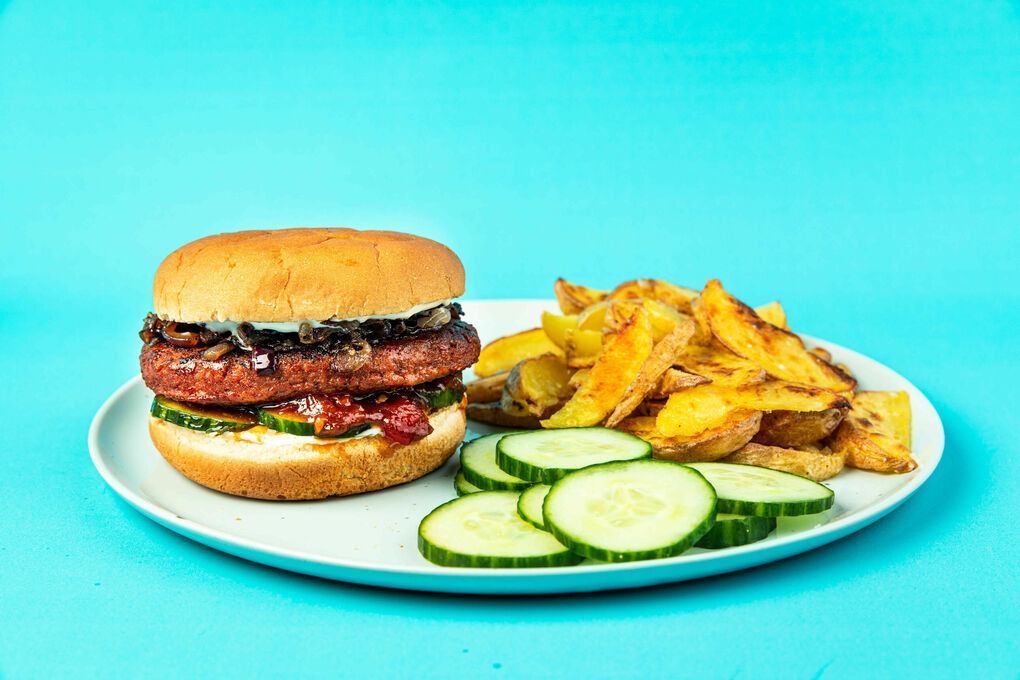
401 417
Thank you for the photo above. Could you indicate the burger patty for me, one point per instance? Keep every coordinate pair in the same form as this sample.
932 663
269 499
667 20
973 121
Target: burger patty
182 374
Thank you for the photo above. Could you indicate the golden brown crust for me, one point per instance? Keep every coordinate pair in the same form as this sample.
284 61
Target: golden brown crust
712 444
300 274
793 428
285 471
819 465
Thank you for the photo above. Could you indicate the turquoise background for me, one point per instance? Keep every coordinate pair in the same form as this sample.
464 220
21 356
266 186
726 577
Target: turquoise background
858 161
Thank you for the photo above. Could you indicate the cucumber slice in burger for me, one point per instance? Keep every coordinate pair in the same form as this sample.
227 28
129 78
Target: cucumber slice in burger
478 463
548 455
441 398
484 530
753 490
211 419
631 510
732 530
462 486
294 424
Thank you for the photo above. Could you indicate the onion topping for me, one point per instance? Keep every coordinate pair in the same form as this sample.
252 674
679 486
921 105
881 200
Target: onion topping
263 360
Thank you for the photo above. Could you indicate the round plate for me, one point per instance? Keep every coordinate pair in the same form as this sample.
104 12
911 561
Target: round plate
371 538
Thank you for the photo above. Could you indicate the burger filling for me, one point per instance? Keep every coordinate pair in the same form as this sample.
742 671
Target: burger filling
331 380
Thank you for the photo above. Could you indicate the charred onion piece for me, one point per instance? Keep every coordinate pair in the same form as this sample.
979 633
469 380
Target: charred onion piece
179 338
352 356
263 360
434 318
217 351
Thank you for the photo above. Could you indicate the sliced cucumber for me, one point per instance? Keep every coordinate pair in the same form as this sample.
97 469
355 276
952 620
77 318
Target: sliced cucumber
753 490
210 419
478 463
548 455
484 530
462 486
732 530
295 424
441 398
529 507
632 510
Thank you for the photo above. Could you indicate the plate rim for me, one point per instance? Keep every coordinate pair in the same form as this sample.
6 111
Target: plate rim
292 559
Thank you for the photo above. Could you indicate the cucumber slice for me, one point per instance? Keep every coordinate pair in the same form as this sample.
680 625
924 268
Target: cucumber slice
462 486
478 463
548 455
293 424
632 510
441 398
483 530
732 530
209 419
753 490
529 507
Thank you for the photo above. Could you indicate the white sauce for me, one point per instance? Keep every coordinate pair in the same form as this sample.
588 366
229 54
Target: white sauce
293 326
262 435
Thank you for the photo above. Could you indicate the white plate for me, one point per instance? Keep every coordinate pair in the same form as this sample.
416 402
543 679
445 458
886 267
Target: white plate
371 539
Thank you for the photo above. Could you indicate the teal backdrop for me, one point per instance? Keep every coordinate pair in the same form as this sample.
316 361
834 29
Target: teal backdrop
859 161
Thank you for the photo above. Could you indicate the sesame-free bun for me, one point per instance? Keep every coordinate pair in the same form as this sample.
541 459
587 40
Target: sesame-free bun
303 274
272 466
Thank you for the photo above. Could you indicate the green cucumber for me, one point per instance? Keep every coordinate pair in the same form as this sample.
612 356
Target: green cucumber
548 455
478 463
732 530
484 530
211 419
753 490
462 486
441 398
293 424
630 510
529 506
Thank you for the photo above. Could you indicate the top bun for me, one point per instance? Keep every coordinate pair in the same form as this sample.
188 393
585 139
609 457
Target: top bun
303 274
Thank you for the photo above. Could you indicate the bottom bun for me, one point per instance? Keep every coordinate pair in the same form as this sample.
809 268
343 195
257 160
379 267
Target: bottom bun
259 463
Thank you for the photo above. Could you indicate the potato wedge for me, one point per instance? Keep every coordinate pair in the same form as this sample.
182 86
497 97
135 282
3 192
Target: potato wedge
662 356
615 369
714 443
875 435
582 347
820 352
773 313
489 388
556 326
781 353
719 365
577 379
703 336
574 298
491 414
796 428
815 464
655 289
536 386
504 353
674 380
692 410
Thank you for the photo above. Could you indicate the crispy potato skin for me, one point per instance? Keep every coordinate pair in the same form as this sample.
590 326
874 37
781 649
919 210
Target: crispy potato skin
492 414
574 298
663 355
813 464
875 435
794 428
504 353
712 444
536 387
486 389
675 296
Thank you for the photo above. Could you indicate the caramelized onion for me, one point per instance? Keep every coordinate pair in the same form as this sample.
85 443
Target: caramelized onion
179 338
352 356
263 360
217 351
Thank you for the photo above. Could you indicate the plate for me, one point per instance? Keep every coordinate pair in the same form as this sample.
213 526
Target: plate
371 538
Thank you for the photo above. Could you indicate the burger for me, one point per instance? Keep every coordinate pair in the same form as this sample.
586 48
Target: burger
306 363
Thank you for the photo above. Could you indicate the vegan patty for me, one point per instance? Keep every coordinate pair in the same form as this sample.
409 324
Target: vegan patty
182 374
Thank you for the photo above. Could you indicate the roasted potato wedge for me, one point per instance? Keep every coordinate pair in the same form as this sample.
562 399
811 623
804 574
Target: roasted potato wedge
489 388
614 370
556 327
816 464
781 353
674 380
773 313
820 352
577 378
536 386
875 435
662 356
692 410
492 413
574 298
796 428
609 315
504 353
582 347
712 444
719 365
654 289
